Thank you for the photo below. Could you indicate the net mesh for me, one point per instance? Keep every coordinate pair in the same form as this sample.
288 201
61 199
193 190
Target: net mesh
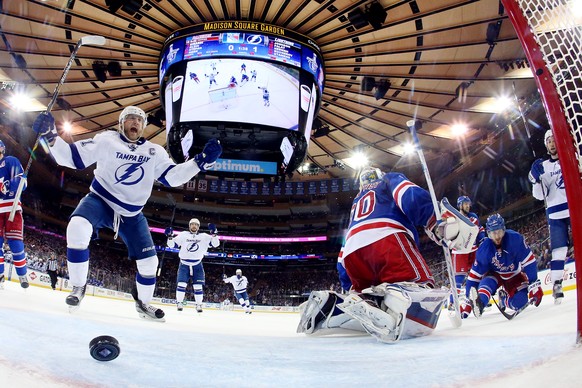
557 30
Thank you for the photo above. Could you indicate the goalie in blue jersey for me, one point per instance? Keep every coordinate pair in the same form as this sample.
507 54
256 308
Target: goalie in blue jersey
392 288
127 165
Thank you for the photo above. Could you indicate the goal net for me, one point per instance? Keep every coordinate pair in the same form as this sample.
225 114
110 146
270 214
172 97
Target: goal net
552 40
223 96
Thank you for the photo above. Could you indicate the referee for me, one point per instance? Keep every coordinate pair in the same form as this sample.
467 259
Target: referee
52 266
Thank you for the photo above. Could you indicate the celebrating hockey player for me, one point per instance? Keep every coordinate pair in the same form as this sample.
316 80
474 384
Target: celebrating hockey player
462 261
12 231
126 167
193 247
548 185
394 296
240 284
502 260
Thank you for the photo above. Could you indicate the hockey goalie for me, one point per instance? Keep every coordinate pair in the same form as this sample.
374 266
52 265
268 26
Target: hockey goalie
393 294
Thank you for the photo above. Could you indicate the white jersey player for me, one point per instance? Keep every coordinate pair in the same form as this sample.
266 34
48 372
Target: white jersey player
193 248
126 167
548 184
240 284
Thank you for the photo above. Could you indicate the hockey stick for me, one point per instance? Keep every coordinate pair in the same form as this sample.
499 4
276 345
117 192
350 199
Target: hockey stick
95 40
502 309
413 125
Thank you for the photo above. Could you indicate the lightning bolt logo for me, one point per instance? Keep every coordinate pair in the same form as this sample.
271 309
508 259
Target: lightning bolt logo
129 174
193 247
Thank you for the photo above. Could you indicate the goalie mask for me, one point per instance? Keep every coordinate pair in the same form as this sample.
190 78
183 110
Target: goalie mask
132 123
368 175
495 227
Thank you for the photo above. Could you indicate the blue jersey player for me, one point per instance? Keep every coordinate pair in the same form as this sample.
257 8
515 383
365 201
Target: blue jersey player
502 260
127 165
11 231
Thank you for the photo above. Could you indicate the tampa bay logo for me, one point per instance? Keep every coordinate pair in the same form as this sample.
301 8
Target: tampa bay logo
129 173
193 247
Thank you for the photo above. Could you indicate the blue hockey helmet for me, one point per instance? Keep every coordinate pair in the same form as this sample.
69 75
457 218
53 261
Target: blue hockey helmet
462 199
495 222
2 147
369 174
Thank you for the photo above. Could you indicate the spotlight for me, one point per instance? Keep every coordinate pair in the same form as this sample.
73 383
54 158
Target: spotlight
100 69
114 69
375 14
357 18
381 88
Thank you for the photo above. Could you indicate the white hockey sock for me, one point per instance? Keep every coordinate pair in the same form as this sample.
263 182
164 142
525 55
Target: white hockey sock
78 273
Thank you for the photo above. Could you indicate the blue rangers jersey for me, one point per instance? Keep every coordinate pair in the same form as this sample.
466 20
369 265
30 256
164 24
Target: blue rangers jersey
552 185
386 206
125 172
193 246
514 256
10 175
239 284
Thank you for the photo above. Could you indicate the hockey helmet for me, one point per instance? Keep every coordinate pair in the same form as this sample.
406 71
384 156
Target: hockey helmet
462 199
368 175
2 148
194 221
134 111
495 222
547 135
239 271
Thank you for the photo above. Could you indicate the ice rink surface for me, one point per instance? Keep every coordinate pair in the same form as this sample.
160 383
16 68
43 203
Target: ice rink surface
43 344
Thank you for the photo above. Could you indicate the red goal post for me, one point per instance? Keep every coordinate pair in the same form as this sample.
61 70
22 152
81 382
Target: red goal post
552 43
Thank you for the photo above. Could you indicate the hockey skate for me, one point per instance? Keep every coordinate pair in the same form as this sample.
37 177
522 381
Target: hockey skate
387 326
476 302
317 308
23 281
75 297
248 311
558 292
2 282
147 311
180 306
198 308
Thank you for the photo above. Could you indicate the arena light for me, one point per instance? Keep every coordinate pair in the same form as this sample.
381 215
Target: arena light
67 127
408 148
459 129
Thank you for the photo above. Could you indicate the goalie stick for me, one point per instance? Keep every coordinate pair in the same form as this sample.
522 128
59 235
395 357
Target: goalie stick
413 125
95 40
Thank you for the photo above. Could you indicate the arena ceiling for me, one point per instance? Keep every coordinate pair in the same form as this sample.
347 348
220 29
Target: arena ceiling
443 67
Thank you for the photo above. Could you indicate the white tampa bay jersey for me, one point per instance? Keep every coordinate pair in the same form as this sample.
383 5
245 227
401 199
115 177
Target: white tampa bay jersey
125 172
193 246
239 284
552 186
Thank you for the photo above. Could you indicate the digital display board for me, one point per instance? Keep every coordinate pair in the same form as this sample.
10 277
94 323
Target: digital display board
254 85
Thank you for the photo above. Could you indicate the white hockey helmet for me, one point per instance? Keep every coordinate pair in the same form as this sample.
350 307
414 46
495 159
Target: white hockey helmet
194 221
239 271
132 110
547 135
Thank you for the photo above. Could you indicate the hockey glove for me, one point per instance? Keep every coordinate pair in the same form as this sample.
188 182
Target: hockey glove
210 153
535 292
212 228
169 232
537 169
4 186
465 307
44 125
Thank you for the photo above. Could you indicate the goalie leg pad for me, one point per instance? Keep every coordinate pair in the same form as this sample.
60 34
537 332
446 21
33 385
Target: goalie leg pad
456 231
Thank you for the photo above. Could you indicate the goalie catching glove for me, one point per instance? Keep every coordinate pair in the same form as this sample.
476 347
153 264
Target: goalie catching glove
210 153
44 126
453 230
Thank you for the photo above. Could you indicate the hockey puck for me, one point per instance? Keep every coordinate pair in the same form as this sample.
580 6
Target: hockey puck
104 348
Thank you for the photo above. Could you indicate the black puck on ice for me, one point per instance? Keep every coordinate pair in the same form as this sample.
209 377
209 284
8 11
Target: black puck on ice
104 348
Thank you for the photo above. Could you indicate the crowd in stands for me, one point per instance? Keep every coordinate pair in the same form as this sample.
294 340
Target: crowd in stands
272 283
